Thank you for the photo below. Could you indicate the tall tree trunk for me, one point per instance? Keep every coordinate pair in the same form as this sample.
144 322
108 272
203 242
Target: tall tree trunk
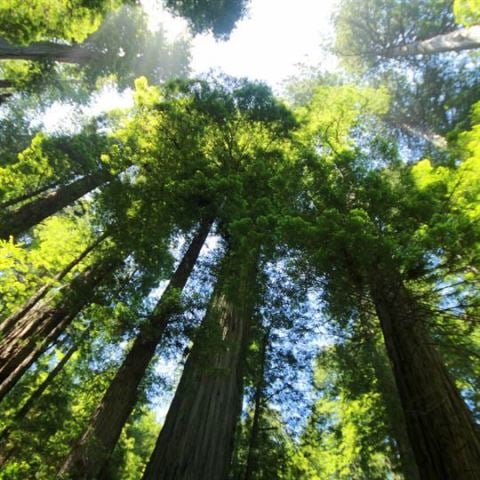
55 52
395 416
196 441
456 41
45 322
252 456
443 434
96 444
30 214
27 195
16 317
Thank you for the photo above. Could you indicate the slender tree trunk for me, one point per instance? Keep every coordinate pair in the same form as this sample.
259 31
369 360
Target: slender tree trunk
45 322
196 441
27 196
30 214
432 138
27 406
55 52
4 83
443 435
95 446
456 41
252 456
396 418
16 317
6 453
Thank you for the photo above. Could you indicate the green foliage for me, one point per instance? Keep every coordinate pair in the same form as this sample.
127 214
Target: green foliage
26 268
217 16
467 12
25 23
366 30
50 161
322 189
274 452
349 434
134 446
115 53
124 48
333 112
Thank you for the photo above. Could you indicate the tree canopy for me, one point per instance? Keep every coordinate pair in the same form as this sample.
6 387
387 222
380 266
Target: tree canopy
214 282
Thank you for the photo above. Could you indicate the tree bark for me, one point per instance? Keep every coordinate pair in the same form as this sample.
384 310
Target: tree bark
456 41
395 416
45 322
252 456
30 214
92 451
196 441
50 51
27 196
443 434
16 317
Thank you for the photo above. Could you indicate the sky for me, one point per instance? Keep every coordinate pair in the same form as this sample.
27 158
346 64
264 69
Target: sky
268 44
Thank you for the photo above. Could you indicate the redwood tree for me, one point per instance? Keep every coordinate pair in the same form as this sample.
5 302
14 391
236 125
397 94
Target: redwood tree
93 449
196 441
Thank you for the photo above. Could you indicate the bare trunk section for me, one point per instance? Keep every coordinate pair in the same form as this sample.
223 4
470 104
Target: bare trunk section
456 41
432 138
49 51
252 456
16 317
45 322
30 214
196 441
396 418
96 444
443 435
27 196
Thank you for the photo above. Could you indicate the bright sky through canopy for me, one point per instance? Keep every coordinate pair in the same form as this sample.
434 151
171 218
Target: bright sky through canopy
268 44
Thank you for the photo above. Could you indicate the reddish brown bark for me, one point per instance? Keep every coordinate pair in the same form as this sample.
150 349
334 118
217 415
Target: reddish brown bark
96 444
443 435
393 408
196 441
45 322
28 215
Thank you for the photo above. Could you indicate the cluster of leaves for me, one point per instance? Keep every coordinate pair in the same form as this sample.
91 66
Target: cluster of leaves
38 20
